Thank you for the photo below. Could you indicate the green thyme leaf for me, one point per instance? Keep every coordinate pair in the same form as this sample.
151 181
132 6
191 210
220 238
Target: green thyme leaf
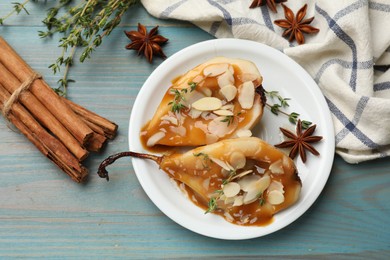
306 124
212 205
228 120
192 85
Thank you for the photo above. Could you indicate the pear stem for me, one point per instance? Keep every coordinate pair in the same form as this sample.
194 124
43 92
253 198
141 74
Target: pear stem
102 172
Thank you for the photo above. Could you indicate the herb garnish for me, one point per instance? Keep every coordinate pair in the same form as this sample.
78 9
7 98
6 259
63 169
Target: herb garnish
178 98
206 159
228 120
283 103
177 104
212 204
82 25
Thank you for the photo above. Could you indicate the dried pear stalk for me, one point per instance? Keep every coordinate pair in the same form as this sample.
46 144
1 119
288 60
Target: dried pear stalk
215 100
245 180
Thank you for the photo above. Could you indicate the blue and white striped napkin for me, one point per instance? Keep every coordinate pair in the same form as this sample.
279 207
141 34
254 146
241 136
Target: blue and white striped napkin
349 58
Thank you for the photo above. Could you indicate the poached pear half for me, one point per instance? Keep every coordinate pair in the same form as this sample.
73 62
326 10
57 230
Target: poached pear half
219 99
245 180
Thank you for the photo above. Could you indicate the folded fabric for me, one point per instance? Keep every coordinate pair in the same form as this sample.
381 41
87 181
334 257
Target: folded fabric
349 58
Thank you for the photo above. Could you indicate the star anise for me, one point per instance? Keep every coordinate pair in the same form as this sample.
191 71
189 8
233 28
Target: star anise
295 25
146 43
270 3
300 142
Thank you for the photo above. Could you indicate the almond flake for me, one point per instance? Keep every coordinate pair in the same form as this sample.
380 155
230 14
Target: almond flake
229 92
171 119
225 79
275 197
231 189
260 186
242 174
192 97
207 104
276 185
222 112
244 133
221 163
250 197
247 77
211 138
155 138
219 127
277 167
246 95
207 92
228 200
194 113
228 107
237 160
214 70
238 201
247 181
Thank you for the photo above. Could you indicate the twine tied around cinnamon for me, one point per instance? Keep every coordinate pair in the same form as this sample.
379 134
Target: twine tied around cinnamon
16 94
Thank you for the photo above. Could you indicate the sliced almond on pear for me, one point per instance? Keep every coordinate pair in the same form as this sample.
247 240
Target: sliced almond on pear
237 160
222 164
244 133
276 185
247 181
211 138
194 113
225 79
191 97
231 189
206 91
275 197
246 95
277 167
229 92
247 77
238 201
171 119
228 107
242 174
220 127
223 112
155 138
214 70
207 104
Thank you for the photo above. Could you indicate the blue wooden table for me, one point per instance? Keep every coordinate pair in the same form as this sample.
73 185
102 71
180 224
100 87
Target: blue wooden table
44 214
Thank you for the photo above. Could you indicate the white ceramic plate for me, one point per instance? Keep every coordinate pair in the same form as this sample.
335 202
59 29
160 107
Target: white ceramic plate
280 73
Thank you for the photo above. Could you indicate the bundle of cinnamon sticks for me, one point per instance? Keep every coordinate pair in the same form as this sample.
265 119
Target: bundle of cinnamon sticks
62 130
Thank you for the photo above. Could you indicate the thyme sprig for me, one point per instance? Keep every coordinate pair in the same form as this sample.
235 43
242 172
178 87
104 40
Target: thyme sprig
179 97
228 120
276 108
206 159
212 204
17 8
82 25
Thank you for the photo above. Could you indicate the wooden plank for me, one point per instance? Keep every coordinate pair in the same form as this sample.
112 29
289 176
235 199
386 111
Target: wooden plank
44 214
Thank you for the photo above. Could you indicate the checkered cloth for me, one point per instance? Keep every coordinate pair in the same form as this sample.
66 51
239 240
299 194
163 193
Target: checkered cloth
349 58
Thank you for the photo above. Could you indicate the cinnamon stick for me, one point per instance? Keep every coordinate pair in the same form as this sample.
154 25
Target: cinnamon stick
22 71
96 142
42 114
97 123
46 143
